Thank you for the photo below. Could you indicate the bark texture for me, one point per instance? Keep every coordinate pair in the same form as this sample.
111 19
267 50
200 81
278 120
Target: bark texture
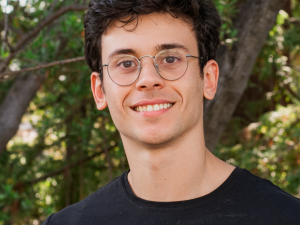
28 37
15 104
255 20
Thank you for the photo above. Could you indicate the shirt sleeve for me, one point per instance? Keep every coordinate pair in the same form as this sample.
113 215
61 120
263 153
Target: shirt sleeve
47 221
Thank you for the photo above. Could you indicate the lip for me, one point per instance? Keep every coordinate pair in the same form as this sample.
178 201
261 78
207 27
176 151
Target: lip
150 102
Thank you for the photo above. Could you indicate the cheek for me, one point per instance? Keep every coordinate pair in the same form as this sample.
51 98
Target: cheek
194 99
192 85
116 96
116 111
114 106
115 102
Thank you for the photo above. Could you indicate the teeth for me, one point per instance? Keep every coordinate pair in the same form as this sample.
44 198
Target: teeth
150 108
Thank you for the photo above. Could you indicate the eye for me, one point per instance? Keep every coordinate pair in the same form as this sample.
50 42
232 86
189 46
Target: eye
127 64
170 59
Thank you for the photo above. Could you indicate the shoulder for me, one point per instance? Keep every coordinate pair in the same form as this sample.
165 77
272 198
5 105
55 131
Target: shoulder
266 189
73 214
266 197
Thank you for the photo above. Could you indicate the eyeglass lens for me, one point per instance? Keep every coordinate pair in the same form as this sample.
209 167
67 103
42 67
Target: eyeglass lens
169 64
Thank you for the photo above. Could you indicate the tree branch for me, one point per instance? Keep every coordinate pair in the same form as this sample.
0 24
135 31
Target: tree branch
61 62
52 7
11 49
19 32
288 88
25 87
59 171
24 41
5 27
294 21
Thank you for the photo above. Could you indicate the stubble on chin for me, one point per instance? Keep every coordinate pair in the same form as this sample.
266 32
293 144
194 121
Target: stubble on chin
152 139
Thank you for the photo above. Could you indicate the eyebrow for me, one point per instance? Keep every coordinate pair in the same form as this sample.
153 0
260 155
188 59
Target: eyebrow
121 51
158 48
170 46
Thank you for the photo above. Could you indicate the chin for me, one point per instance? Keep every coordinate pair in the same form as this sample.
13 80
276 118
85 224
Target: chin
156 138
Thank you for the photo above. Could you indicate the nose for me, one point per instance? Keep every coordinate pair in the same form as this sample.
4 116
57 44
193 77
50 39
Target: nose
149 79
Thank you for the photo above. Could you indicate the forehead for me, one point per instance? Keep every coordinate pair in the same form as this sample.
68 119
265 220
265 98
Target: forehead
152 30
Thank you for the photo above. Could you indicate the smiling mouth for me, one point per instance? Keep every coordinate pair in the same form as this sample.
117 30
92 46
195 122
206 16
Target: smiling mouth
155 107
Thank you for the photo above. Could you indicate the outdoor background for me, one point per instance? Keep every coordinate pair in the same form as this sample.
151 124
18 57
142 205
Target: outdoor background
56 148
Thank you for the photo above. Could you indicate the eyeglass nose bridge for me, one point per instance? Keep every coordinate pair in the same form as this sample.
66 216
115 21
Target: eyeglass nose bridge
151 56
147 56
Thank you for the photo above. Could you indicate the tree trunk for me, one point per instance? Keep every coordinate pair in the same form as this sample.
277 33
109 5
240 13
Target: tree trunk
25 87
15 104
255 20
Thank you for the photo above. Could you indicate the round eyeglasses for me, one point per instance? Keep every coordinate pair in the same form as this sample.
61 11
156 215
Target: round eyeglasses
170 64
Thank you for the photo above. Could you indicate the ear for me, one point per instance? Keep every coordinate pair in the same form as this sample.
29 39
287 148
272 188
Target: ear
211 76
97 90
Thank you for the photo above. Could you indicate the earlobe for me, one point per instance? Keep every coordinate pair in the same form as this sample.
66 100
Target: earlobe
97 90
211 76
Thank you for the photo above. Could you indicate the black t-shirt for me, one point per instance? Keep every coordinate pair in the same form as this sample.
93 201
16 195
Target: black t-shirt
242 199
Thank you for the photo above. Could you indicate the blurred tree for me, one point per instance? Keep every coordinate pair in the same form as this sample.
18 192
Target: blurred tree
252 25
263 134
25 87
66 149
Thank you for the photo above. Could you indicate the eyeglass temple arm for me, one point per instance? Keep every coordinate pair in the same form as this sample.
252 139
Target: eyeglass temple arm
194 57
102 67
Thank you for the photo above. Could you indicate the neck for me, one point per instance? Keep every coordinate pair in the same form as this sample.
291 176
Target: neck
182 170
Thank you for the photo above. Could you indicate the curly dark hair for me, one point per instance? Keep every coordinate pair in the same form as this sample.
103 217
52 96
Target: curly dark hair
202 15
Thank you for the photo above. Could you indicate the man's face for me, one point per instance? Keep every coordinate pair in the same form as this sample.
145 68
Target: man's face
185 95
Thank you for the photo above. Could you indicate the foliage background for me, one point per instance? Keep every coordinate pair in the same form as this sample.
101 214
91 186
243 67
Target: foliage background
66 149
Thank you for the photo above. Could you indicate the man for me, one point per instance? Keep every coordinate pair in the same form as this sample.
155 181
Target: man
153 63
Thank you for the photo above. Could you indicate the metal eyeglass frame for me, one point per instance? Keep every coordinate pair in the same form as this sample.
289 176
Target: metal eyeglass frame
155 66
